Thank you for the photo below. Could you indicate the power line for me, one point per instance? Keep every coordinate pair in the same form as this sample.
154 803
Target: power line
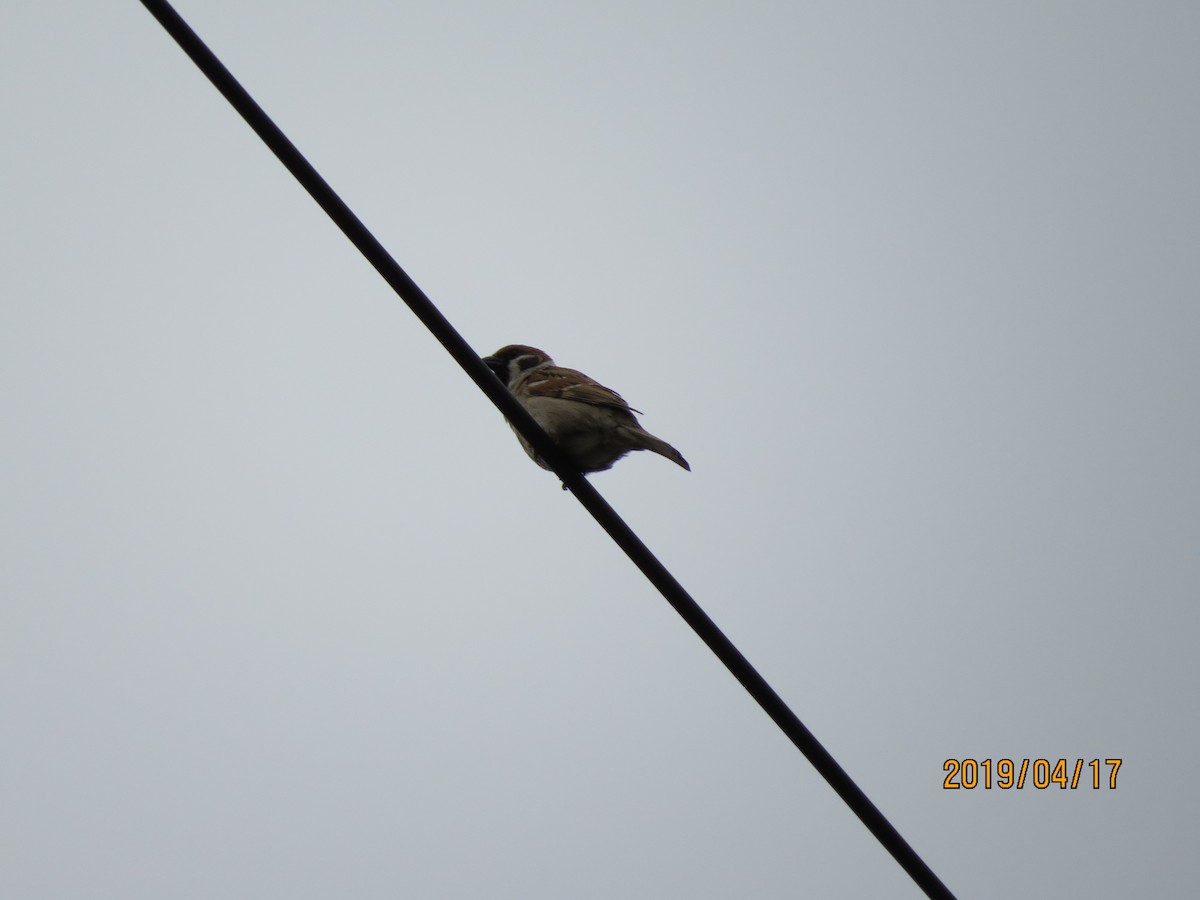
604 514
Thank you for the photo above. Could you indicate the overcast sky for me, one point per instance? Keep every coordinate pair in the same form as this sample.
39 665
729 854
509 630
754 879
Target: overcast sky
287 613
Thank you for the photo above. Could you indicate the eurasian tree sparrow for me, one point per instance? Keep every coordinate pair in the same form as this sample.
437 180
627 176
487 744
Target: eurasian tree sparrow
591 424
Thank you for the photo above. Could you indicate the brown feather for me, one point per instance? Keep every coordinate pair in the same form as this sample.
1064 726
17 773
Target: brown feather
569 384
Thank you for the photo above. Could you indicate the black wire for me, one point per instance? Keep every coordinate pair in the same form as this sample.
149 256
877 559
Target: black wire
458 348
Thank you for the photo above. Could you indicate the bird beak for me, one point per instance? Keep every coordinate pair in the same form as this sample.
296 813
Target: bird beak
498 366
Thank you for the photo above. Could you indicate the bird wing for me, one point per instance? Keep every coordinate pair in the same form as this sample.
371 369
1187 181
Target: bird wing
568 384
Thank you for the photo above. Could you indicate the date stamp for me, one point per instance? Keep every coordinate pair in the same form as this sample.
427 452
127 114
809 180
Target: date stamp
1006 774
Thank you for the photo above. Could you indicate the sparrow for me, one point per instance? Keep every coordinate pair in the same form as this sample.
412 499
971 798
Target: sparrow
592 424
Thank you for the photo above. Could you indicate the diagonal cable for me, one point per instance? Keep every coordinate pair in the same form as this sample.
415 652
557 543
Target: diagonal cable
512 410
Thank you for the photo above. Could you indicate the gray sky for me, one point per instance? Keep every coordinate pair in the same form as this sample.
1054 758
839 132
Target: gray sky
288 614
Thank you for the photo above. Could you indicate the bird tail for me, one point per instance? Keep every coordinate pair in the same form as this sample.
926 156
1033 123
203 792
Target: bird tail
662 448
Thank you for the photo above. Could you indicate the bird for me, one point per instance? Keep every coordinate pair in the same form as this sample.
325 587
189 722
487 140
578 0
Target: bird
591 424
